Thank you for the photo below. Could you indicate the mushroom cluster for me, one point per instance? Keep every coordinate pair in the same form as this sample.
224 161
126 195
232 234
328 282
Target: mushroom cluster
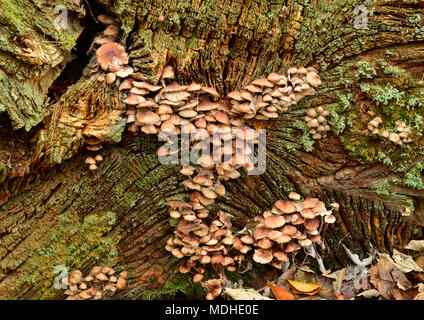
202 244
213 288
401 136
92 162
316 120
286 228
99 282
264 98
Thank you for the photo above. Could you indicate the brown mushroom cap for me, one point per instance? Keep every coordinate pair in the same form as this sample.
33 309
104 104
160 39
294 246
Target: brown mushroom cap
264 243
168 73
274 234
211 91
285 206
312 224
307 213
309 203
289 230
283 239
262 256
294 196
330 219
90 160
75 277
247 239
111 53
260 232
291 247
147 117
263 82
281 256
274 221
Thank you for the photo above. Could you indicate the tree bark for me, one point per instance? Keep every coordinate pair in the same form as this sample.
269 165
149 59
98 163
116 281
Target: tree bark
54 212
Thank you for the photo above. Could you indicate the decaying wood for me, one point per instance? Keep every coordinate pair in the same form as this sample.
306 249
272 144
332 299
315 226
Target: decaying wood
55 212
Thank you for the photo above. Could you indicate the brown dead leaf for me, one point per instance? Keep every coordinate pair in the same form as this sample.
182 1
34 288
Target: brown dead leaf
306 275
304 288
389 280
281 293
420 260
419 296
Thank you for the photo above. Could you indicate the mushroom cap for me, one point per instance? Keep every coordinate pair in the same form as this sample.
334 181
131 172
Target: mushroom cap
309 203
212 91
264 243
124 72
247 239
105 19
263 82
194 87
291 247
235 95
274 77
274 221
285 206
111 30
168 73
294 196
283 239
125 85
98 158
330 219
312 224
260 232
206 105
90 160
134 99
281 256
307 214
147 117
252 88
75 277
305 242
262 256
288 230
111 53
173 87
274 234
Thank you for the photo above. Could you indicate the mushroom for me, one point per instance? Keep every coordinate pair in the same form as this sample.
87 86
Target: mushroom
111 53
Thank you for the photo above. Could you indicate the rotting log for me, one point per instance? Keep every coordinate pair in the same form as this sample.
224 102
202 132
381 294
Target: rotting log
55 212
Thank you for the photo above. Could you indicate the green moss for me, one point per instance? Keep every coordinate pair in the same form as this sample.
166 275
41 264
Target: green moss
305 140
72 242
180 283
365 70
380 187
413 177
3 172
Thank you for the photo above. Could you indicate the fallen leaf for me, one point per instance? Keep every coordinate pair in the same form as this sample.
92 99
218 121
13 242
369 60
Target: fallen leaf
304 288
388 279
371 293
416 245
337 285
245 294
405 262
306 275
420 260
281 293
419 296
